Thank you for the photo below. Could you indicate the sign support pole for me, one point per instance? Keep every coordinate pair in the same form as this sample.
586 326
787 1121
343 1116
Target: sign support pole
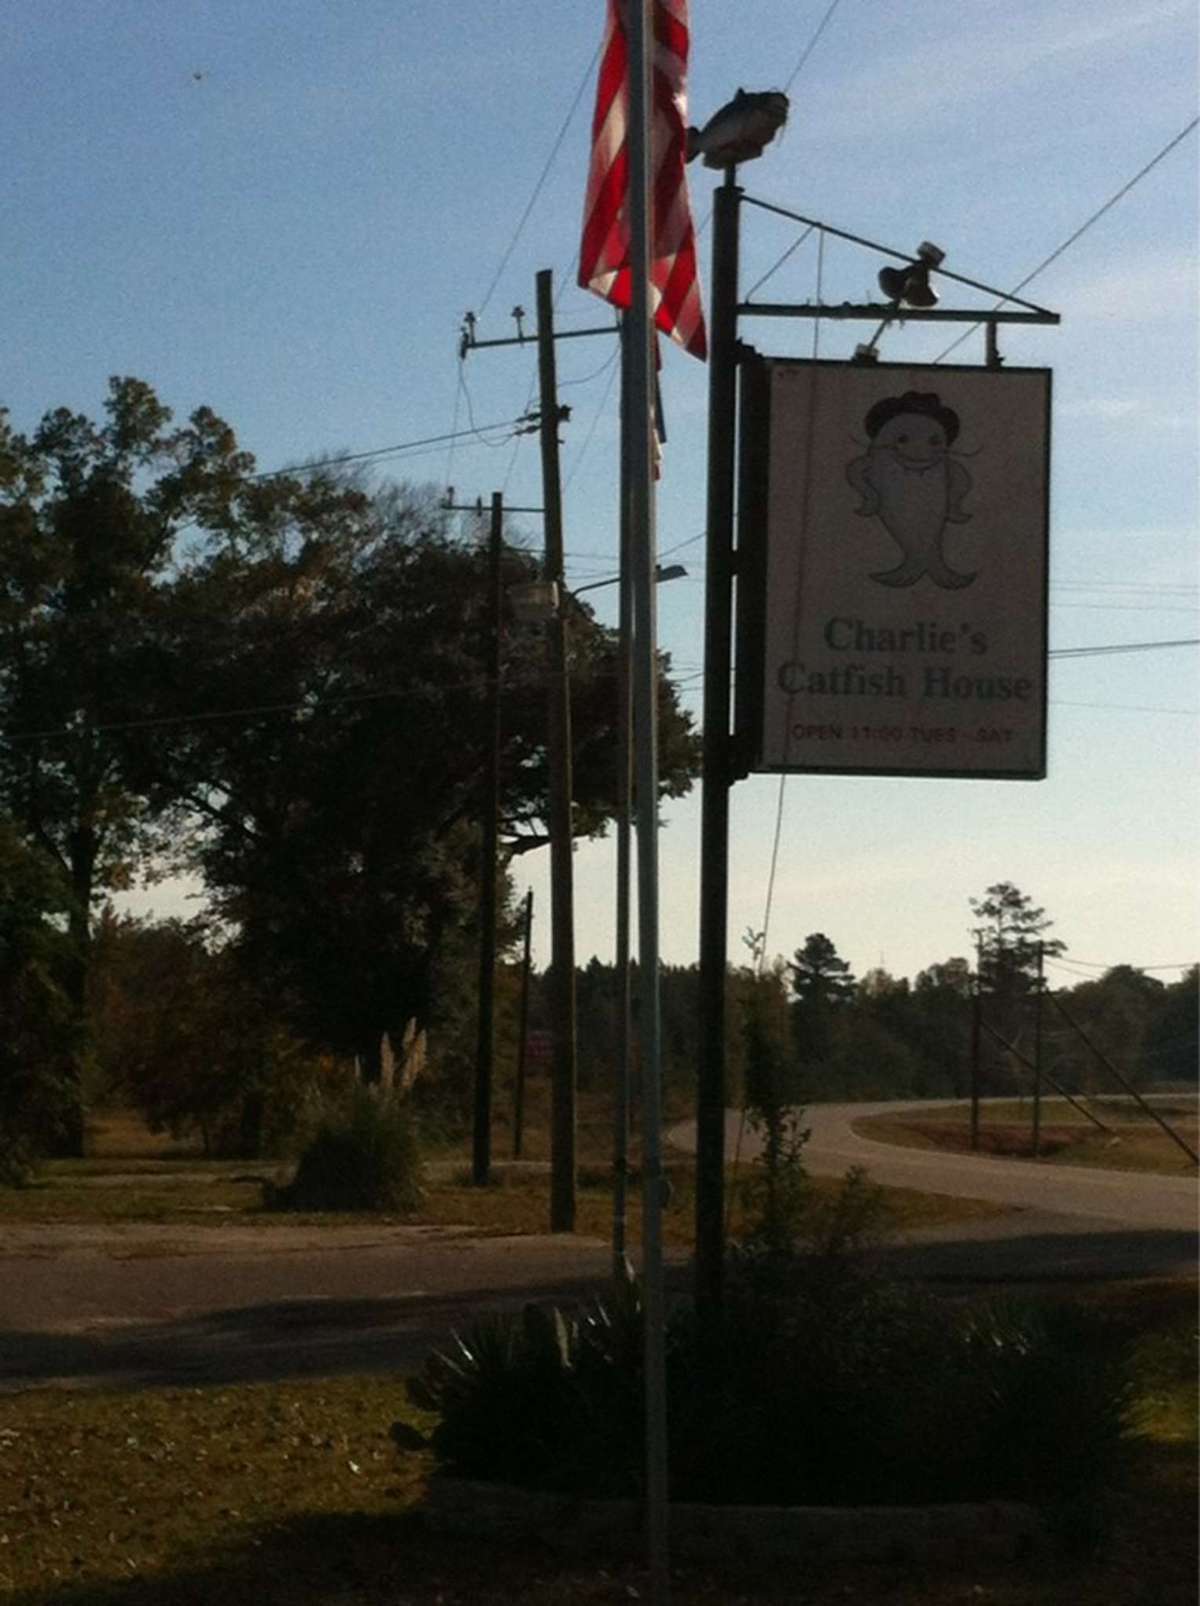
714 819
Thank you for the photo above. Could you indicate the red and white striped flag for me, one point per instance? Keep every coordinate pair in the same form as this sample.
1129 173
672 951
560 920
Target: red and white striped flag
604 255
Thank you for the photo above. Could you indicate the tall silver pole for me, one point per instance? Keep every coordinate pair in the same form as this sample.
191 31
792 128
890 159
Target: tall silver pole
638 446
621 1093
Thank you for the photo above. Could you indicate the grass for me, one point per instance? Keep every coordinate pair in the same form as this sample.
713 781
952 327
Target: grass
1134 1142
266 1494
131 1175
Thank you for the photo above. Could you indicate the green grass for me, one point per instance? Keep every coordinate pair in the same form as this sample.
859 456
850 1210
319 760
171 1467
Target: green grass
265 1494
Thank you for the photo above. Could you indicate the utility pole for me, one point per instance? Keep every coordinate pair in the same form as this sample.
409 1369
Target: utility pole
976 1045
562 890
1037 1052
481 1153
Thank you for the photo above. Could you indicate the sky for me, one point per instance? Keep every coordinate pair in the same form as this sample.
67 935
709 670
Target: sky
285 212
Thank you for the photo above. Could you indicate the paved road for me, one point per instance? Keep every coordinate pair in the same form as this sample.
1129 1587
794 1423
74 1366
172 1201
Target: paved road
1132 1199
1059 1224
132 1306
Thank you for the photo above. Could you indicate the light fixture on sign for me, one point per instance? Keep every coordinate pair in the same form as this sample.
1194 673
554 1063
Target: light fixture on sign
910 284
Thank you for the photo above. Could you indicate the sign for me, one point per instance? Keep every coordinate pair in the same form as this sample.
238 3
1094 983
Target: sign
893 568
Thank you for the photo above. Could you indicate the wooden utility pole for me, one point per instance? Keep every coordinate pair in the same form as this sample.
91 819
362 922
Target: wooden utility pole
1037 1052
562 890
481 1153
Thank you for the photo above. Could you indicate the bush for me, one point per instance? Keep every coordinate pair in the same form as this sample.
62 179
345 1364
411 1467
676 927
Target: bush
839 1391
543 1399
363 1155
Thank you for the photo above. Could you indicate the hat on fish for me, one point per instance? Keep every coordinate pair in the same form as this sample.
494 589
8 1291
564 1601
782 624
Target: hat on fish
925 403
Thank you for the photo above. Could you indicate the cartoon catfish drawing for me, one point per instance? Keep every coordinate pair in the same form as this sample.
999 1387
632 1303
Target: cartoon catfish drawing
909 480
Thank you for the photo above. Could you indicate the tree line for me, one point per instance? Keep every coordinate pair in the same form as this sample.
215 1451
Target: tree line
276 683
180 1030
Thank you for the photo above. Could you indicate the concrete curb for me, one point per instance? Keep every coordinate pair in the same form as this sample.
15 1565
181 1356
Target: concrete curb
944 1533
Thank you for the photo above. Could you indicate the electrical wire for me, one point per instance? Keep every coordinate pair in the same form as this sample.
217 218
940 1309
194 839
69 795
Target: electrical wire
812 43
1117 647
1096 964
511 424
1079 232
542 177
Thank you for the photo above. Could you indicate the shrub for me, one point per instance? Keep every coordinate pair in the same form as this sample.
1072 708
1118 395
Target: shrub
836 1392
542 1399
364 1155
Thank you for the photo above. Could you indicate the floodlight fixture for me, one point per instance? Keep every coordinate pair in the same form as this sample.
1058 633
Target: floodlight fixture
910 285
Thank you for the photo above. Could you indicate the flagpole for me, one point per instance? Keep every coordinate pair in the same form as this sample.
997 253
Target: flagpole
639 472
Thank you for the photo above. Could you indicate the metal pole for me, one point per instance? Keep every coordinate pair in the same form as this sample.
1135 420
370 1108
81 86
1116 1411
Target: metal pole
1037 1053
481 1153
637 444
562 890
523 1033
714 819
621 1097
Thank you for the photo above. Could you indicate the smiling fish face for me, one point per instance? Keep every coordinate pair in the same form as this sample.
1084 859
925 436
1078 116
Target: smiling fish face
916 442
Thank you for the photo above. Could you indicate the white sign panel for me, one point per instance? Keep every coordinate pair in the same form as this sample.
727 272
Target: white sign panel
904 626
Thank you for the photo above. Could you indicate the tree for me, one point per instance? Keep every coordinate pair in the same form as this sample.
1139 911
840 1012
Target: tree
1172 1049
36 1037
337 809
93 518
180 1033
1117 1011
1008 938
942 1023
822 984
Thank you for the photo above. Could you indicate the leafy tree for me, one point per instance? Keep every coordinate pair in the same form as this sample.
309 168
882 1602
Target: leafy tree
1117 1011
337 808
94 520
36 1038
942 1007
1172 1048
180 1032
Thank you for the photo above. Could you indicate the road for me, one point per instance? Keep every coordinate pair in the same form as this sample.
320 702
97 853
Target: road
1060 1224
1131 1198
131 1306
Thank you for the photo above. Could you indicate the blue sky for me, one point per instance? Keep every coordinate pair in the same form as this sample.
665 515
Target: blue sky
294 235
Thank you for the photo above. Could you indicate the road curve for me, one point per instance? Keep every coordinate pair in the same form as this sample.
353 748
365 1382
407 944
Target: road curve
1129 1199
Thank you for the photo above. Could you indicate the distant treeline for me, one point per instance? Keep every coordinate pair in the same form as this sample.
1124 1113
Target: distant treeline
888 1037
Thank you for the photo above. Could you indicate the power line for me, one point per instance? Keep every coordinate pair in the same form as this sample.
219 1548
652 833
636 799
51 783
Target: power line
511 424
538 187
1096 964
1123 646
1080 231
812 43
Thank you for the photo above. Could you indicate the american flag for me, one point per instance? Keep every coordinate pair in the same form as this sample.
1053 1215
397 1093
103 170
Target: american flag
604 255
